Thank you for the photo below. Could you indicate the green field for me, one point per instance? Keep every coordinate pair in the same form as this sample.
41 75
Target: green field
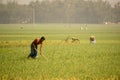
66 60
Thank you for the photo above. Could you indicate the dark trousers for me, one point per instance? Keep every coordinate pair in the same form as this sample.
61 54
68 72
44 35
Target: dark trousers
33 52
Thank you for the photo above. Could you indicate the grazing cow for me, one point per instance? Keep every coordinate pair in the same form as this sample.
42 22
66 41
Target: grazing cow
92 39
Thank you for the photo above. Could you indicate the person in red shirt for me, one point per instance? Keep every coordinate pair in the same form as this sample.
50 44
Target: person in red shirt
37 41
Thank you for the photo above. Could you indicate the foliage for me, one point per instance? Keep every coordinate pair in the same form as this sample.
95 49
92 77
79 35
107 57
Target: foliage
60 11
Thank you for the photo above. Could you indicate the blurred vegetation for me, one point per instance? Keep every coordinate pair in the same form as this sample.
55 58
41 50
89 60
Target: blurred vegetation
60 11
66 60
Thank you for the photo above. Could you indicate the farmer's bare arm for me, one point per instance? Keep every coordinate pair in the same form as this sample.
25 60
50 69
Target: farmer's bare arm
41 49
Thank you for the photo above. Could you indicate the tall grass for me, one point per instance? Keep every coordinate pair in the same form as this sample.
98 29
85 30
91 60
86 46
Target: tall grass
66 60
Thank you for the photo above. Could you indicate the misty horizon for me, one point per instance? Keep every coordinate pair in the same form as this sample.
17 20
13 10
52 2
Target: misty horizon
28 1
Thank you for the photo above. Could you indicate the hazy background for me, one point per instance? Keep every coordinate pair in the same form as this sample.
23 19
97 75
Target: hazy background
27 1
59 11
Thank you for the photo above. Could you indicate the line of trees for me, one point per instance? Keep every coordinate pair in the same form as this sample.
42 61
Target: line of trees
60 11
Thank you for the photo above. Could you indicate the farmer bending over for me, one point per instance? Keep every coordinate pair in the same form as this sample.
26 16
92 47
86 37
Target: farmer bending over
34 44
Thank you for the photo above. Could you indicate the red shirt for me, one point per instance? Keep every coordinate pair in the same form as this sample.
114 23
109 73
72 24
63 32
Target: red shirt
37 41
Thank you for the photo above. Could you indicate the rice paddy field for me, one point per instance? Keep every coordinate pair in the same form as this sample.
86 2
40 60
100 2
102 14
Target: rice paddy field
66 60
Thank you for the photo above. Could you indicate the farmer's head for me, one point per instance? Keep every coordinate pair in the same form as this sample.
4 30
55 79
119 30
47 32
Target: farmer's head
42 38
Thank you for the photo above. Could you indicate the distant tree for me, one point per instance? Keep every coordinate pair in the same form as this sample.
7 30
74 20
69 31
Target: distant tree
4 14
1 1
60 11
17 13
102 11
116 12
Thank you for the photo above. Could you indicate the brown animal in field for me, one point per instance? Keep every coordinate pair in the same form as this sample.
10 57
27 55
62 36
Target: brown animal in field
74 39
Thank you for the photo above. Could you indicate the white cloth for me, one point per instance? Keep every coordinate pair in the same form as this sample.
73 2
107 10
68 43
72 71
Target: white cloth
93 42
